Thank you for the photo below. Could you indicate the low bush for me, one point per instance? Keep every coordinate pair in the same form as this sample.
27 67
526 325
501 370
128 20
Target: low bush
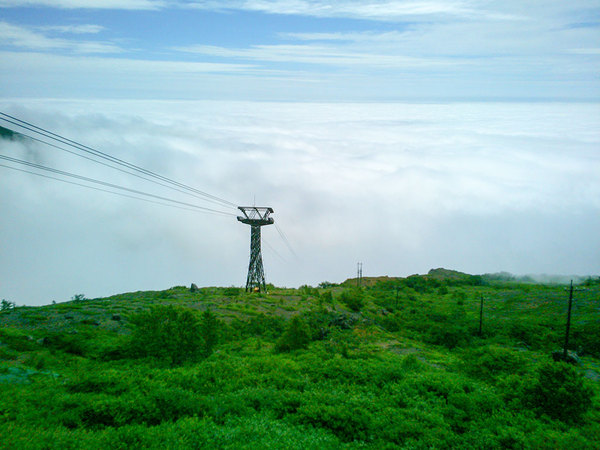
326 297
528 334
261 325
353 299
492 361
296 336
447 334
73 343
167 333
559 391
209 327
347 418
232 291
5 305
586 338
16 340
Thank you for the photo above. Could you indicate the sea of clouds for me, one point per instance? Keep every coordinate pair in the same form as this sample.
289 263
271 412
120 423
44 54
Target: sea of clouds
403 188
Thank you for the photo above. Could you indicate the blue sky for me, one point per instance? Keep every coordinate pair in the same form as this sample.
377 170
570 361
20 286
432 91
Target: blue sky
305 50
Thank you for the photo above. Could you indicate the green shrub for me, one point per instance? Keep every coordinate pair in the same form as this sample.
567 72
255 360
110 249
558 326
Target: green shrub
353 299
559 391
261 325
96 383
7 354
167 332
209 326
586 338
73 343
308 291
6 305
492 361
317 323
232 291
38 360
348 418
341 321
529 334
296 336
16 340
392 322
326 297
447 334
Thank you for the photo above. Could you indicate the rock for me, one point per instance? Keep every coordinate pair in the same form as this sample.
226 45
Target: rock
194 288
571 358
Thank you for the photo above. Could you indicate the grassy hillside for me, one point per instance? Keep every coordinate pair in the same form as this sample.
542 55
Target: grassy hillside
397 363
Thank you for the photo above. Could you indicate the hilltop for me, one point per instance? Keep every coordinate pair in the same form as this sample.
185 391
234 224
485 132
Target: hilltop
398 362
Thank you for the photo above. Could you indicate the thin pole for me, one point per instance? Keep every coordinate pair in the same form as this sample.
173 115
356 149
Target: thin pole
480 315
568 321
360 276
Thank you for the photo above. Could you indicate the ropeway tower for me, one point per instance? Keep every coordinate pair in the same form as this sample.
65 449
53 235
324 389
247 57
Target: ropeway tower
256 217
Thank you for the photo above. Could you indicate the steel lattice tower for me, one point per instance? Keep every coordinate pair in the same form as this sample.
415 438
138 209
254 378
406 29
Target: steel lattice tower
256 217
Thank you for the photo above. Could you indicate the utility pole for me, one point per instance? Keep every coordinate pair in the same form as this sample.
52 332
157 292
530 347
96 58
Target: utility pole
568 322
256 217
359 274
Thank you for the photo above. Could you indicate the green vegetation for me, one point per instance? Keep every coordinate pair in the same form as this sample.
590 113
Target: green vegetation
172 334
398 363
296 336
5 305
559 391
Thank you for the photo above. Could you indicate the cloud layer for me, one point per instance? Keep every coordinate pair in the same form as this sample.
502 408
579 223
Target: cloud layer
401 187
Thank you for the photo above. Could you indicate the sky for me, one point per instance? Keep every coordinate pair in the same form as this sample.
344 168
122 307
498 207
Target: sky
406 135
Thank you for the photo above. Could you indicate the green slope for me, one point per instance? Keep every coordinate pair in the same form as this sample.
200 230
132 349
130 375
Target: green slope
396 364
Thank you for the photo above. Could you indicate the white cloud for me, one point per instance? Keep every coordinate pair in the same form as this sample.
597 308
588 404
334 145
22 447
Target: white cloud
103 66
87 4
367 36
75 29
386 10
319 54
24 38
501 52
